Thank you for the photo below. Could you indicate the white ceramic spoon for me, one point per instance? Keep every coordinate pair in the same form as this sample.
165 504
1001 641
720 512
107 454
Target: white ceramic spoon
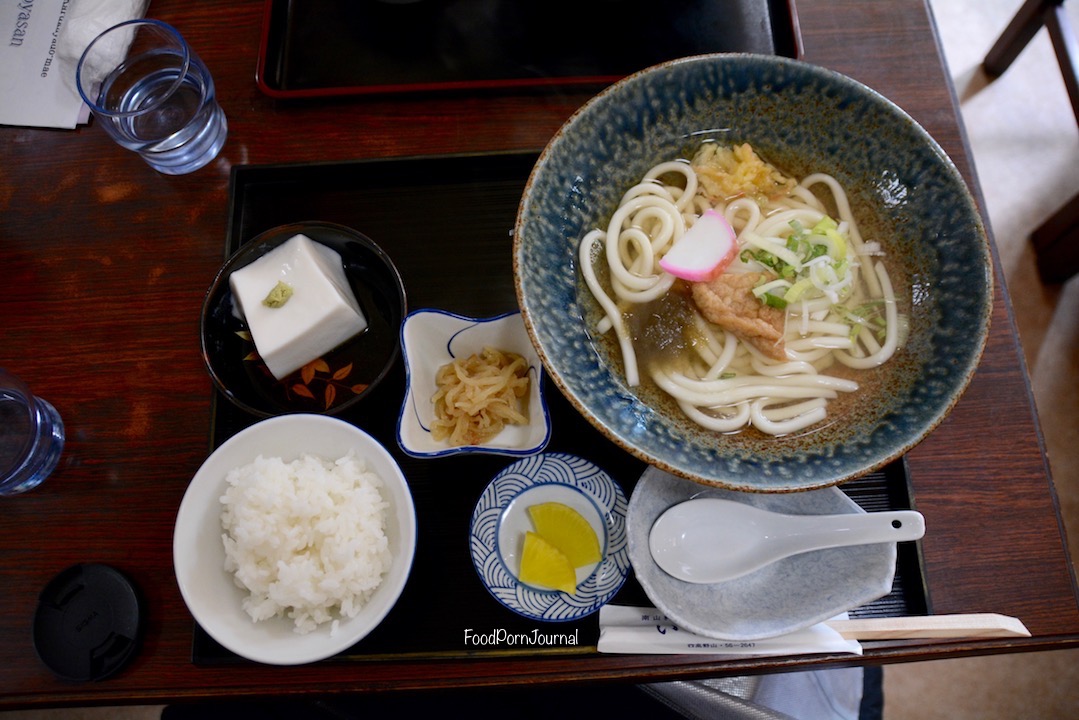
711 540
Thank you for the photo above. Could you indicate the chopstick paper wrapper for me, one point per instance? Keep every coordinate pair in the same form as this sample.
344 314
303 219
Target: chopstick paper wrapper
643 630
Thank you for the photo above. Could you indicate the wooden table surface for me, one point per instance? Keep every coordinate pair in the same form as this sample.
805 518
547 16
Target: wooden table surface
105 264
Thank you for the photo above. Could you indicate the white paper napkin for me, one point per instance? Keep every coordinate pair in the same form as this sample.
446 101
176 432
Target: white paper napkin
39 49
646 630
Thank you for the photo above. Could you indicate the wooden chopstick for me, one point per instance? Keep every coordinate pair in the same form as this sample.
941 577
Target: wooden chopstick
973 625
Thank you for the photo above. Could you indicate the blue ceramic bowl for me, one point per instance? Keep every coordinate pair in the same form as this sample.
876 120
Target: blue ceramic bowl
903 189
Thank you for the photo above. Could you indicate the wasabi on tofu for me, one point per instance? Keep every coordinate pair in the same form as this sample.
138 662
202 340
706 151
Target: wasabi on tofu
280 294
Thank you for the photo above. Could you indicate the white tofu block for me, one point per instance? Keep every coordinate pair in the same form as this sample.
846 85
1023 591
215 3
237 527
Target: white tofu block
321 314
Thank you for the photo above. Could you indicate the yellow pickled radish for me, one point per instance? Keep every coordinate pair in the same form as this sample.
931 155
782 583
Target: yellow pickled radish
567 530
545 565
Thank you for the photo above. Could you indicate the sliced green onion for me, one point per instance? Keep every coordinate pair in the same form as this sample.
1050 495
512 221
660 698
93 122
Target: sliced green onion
823 225
770 285
769 260
797 290
839 245
774 301
779 251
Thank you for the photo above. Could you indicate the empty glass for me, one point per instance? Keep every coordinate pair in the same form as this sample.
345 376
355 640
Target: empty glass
31 437
153 95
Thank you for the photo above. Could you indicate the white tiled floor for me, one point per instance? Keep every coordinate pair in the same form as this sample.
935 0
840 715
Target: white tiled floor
1025 143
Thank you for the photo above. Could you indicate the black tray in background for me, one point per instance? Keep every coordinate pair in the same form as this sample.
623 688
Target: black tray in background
347 47
446 222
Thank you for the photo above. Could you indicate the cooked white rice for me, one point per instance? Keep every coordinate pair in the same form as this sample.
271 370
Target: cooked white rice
306 538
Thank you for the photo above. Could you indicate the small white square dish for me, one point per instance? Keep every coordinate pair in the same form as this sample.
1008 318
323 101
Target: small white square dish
431 339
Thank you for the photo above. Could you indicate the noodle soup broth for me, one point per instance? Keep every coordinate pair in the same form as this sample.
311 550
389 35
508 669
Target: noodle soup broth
659 329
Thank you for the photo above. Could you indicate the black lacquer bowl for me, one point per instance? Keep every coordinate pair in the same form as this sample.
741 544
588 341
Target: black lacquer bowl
340 378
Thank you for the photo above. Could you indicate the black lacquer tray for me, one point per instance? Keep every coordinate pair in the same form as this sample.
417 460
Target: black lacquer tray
446 221
316 48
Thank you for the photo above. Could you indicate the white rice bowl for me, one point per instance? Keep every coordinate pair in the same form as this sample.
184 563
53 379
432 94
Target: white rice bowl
277 490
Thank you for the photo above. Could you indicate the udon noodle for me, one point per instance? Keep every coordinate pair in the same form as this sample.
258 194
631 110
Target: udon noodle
823 284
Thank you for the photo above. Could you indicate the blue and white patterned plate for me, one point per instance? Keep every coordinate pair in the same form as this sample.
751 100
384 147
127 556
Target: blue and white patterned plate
501 518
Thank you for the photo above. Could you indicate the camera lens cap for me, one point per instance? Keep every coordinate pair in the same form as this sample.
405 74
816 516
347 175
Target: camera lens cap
87 623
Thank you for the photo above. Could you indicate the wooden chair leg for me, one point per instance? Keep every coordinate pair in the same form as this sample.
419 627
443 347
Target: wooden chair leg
1026 23
1056 244
1067 51
1056 241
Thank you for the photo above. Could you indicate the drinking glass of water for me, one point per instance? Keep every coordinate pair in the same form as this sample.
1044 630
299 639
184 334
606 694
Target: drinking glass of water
153 95
31 437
